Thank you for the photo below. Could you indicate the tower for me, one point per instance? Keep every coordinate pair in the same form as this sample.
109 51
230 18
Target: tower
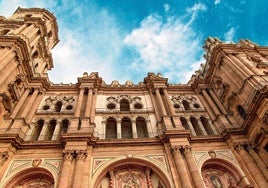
210 132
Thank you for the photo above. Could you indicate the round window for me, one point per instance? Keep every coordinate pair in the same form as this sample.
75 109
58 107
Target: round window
111 106
45 107
138 106
176 106
69 107
196 105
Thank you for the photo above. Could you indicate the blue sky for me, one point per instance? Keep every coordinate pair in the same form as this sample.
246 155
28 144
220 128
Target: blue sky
125 39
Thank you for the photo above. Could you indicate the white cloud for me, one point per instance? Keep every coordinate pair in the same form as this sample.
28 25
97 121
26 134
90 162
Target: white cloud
169 47
216 2
229 35
166 7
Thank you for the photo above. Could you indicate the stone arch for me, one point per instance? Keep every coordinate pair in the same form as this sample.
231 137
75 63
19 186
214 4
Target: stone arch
156 168
31 177
218 171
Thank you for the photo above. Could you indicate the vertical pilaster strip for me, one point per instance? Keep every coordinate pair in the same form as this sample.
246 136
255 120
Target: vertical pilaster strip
79 102
196 176
88 103
30 103
79 168
160 102
66 169
20 103
181 168
57 131
257 160
251 166
211 103
119 135
219 104
134 129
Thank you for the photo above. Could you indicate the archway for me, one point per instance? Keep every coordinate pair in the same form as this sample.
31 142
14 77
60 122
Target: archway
33 178
218 173
132 173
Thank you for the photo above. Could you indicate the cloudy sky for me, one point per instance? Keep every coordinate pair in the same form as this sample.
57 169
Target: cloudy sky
125 39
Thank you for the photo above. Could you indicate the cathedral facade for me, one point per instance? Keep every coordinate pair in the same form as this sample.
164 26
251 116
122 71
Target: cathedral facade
210 132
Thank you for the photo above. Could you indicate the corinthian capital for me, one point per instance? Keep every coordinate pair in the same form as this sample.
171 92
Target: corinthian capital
68 155
81 155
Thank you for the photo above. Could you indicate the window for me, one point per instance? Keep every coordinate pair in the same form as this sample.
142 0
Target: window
207 126
111 129
177 106
142 131
186 105
126 128
58 106
51 128
65 125
124 105
37 130
111 106
138 106
69 107
184 123
196 127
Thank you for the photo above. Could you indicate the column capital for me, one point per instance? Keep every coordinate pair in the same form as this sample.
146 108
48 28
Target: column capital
68 155
81 155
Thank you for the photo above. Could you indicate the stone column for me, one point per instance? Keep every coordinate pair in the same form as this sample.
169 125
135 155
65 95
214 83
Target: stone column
93 106
88 103
79 102
200 124
43 133
176 119
119 129
196 176
210 111
251 166
30 103
20 103
158 118
218 102
66 169
134 129
257 160
160 102
79 168
57 131
190 126
211 103
181 168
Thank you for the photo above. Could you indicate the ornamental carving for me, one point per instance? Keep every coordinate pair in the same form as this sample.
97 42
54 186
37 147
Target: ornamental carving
4 156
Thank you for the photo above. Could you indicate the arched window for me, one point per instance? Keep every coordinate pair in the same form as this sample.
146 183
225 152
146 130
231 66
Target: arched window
207 126
51 128
65 125
186 105
58 106
111 129
242 111
196 127
37 130
124 105
184 123
126 128
142 131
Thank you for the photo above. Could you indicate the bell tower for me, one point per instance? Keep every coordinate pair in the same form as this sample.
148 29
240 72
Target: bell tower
38 30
